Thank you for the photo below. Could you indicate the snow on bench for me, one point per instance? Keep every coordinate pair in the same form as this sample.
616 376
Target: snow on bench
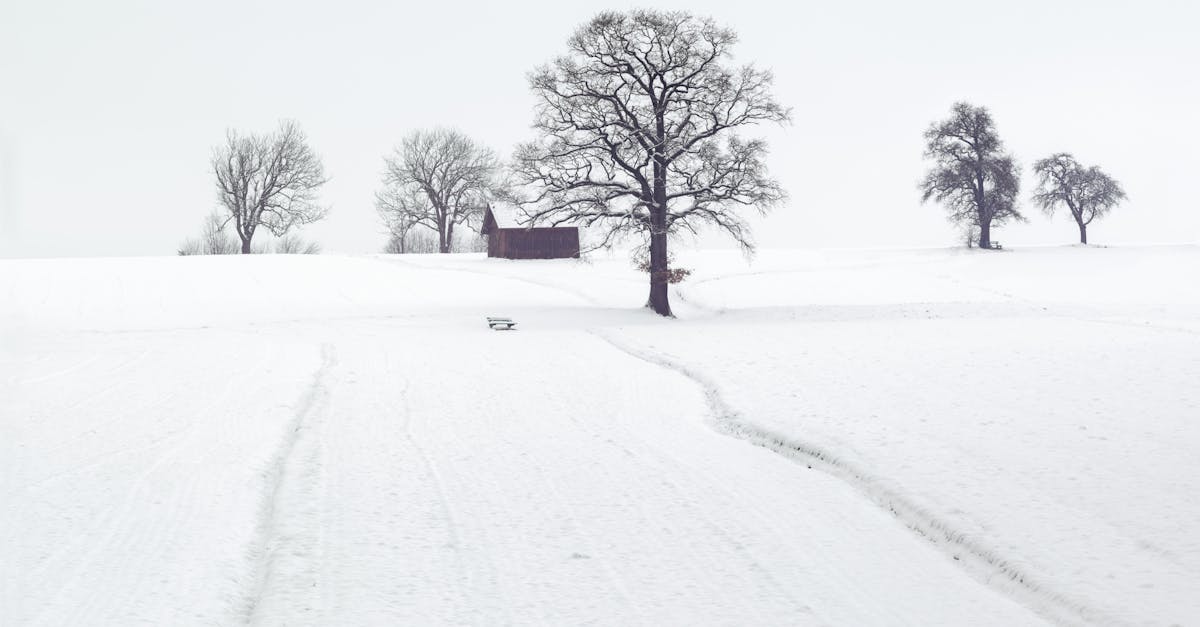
501 324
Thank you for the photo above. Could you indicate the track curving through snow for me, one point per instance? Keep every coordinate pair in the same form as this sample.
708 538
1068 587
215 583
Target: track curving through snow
374 455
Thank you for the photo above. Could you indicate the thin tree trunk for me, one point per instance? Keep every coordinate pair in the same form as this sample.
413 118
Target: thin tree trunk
245 247
1082 233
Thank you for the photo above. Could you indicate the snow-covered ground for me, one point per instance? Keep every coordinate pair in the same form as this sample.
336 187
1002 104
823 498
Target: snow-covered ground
945 437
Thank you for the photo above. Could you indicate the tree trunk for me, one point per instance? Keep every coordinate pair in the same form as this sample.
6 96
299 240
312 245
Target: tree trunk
443 247
658 274
245 247
985 220
985 235
659 260
1082 233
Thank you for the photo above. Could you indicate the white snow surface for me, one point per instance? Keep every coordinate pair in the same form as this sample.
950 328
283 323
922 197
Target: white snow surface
933 437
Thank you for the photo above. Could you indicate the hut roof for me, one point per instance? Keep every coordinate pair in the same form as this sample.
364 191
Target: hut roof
504 216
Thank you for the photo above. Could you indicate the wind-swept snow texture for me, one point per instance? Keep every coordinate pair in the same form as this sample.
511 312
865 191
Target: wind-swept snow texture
946 438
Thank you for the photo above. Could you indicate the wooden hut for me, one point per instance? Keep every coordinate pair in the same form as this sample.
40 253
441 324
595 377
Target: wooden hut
509 240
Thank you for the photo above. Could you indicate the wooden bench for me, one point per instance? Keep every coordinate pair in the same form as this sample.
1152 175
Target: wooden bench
501 324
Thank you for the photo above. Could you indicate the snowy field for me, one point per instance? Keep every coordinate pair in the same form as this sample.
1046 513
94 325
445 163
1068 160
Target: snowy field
935 437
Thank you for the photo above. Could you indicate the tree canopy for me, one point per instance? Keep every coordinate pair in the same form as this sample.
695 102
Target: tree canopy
972 177
1087 192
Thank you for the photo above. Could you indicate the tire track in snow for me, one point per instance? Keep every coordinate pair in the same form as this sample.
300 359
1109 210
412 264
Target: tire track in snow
452 521
983 562
565 289
288 535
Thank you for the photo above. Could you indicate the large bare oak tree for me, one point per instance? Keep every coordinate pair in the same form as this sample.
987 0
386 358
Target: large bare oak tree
1087 192
972 176
437 179
268 181
638 135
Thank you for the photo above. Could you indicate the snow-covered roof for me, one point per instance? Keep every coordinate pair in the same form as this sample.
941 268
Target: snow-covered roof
508 216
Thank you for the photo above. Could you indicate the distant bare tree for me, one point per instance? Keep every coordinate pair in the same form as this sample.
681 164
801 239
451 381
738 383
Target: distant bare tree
216 240
469 242
189 247
972 175
638 134
970 235
437 179
423 241
397 207
213 241
1087 192
396 245
268 180
292 244
413 242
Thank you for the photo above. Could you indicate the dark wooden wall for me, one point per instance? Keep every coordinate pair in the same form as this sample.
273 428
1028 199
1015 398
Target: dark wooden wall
536 243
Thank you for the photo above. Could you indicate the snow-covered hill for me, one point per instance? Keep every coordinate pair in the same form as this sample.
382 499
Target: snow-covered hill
943 437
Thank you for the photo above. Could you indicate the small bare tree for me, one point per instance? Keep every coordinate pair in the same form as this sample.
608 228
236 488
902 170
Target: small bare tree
423 241
213 241
397 207
437 179
292 244
638 134
396 245
972 175
413 242
1087 192
189 247
269 181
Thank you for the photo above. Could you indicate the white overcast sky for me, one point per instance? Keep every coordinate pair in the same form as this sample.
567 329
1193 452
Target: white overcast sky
109 110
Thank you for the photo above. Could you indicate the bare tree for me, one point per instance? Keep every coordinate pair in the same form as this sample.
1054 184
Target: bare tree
213 241
413 242
189 247
424 241
638 135
216 240
972 175
1087 192
469 242
292 244
398 207
269 181
396 245
437 179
